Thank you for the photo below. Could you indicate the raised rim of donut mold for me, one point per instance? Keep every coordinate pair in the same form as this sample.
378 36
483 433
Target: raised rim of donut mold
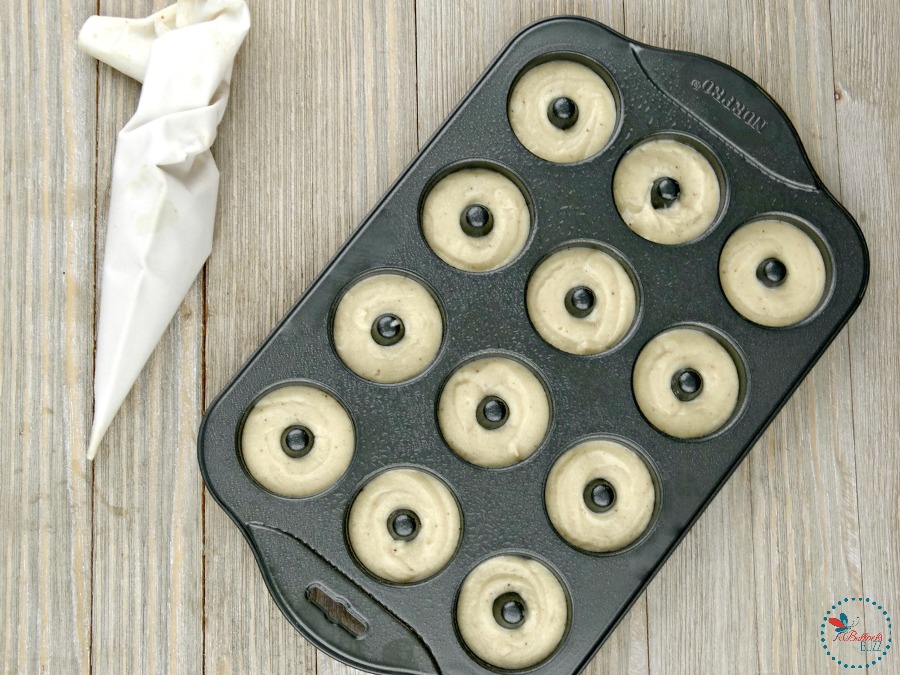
239 432
630 270
600 70
388 271
654 476
824 249
740 363
695 143
489 165
529 555
521 360
346 521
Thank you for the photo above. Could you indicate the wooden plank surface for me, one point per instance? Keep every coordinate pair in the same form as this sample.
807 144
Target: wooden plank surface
763 542
127 566
324 111
147 540
46 315
868 114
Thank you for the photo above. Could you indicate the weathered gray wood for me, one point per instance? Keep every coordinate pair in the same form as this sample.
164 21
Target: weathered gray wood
457 39
813 514
763 562
322 119
325 665
147 572
868 114
47 138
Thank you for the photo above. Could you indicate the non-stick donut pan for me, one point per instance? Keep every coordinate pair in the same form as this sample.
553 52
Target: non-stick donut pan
300 544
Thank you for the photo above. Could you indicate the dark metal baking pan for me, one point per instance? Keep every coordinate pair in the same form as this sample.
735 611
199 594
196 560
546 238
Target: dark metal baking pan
300 543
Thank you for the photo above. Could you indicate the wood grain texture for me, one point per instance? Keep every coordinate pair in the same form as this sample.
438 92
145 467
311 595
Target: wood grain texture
326 665
127 566
868 114
147 540
456 40
47 144
322 119
784 553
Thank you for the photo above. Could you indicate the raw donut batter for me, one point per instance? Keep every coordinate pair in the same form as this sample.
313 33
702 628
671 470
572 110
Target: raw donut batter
562 111
388 328
476 220
600 496
512 612
666 191
493 412
404 525
772 273
297 441
581 300
686 383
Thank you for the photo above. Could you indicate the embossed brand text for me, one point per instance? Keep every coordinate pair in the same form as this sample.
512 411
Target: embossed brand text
730 103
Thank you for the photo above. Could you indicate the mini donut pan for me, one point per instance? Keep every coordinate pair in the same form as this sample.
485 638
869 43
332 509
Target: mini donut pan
300 544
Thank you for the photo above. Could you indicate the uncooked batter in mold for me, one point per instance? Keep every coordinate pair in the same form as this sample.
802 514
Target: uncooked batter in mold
581 300
686 383
666 191
512 612
388 328
600 496
297 441
493 412
476 220
562 111
772 273
404 525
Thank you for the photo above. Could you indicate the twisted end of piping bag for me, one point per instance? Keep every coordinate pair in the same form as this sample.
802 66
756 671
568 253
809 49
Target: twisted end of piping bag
165 181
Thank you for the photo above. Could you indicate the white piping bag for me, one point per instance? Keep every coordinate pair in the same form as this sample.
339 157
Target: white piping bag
165 181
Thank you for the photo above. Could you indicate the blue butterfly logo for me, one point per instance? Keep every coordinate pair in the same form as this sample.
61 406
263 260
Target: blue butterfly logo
840 624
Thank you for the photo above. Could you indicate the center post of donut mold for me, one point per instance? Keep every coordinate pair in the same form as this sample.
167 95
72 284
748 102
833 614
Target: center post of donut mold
403 525
687 384
771 272
580 301
492 413
388 330
664 192
297 441
476 220
599 495
509 610
563 113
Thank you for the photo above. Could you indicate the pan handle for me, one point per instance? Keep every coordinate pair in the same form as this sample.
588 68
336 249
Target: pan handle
733 107
332 612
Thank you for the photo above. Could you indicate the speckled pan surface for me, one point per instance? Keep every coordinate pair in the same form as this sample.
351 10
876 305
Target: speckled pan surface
301 544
